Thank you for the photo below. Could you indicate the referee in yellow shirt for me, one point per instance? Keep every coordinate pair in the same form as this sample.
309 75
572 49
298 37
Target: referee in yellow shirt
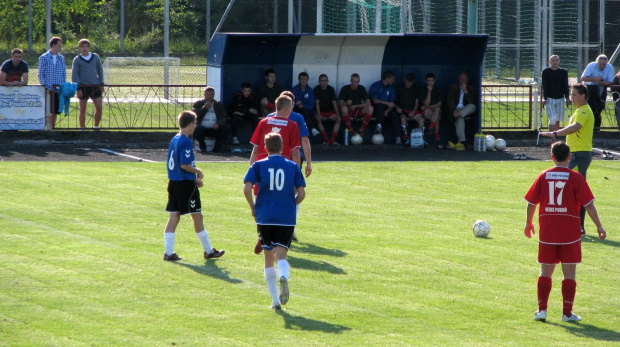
578 135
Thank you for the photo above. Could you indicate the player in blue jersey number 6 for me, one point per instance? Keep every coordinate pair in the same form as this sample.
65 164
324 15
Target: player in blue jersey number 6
184 179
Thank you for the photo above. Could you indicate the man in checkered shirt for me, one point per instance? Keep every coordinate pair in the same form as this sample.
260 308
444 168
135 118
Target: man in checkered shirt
53 71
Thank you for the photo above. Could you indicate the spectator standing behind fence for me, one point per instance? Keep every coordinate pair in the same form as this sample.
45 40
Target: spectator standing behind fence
460 104
430 104
87 72
383 94
269 92
14 72
597 76
407 105
305 101
325 103
211 121
243 106
555 91
355 104
578 134
53 72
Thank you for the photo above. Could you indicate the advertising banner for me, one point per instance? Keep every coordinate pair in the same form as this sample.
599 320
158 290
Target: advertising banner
22 108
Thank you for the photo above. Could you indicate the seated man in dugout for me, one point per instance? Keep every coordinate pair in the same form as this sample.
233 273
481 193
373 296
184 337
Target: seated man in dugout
211 121
244 105
355 104
268 93
326 106
305 101
431 98
460 104
383 95
407 106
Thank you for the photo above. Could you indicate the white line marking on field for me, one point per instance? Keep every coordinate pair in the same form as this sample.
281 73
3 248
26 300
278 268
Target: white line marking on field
126 155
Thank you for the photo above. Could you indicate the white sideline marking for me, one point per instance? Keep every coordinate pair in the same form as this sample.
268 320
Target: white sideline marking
126 155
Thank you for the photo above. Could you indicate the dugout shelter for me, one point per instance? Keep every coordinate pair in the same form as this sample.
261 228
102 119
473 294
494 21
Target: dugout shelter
235 58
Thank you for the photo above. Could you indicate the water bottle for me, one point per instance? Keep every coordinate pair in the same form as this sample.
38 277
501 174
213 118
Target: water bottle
483 140
346 136
475 142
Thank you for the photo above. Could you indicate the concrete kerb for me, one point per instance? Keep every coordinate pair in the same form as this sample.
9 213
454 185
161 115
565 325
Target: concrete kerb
161 139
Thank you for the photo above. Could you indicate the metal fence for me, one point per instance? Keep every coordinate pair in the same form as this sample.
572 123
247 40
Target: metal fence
136 107
157 106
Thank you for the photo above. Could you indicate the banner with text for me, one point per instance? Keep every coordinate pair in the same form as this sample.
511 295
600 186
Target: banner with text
22 108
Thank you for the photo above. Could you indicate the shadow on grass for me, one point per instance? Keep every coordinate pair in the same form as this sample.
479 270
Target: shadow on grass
306 264
314 249
594 239
301 323
210 269
589 331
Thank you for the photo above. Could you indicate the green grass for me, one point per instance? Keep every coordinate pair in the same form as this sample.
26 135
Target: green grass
387 258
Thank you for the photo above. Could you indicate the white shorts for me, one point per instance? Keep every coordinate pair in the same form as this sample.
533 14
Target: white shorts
555 110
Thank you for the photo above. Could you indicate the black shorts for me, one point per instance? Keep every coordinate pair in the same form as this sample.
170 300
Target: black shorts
90 92
275 235
56 103
183 197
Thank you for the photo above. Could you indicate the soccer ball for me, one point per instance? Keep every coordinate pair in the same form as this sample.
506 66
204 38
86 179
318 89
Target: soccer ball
481 228
500 144
490 142
357 139
377 139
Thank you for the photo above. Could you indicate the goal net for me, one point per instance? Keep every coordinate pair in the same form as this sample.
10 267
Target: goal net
142 70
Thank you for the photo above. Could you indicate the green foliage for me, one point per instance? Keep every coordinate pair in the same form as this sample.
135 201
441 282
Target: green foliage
387 258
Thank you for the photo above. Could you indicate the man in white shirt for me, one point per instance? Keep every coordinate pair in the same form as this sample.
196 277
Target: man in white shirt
211 121
598 76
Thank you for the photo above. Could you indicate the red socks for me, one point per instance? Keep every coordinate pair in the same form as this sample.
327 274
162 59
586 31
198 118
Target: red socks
433 125
544 289
334 137
569 287
324 134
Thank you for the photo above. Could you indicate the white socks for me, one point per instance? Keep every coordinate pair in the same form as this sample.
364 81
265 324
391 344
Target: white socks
169 242
204 240
271 278
284 269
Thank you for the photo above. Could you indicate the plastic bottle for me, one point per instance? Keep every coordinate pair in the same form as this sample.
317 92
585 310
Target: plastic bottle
346 137
477 143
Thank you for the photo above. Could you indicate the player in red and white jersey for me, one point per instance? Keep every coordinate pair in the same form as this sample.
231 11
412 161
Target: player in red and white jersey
560 192
288 130
281 124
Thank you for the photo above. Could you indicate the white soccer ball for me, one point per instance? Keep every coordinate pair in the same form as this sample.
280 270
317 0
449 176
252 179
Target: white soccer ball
377 139
500 145
357 139
490 142
481 228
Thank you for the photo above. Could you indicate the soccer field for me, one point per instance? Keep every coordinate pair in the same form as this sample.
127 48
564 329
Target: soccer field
386 258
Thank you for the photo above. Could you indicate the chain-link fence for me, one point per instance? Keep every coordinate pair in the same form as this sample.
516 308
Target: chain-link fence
522 33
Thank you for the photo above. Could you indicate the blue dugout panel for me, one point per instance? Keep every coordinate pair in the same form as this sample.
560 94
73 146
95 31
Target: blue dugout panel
235 58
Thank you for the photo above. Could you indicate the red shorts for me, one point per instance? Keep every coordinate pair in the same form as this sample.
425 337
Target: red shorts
271 107
555 254
328 115
416 113
358 113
